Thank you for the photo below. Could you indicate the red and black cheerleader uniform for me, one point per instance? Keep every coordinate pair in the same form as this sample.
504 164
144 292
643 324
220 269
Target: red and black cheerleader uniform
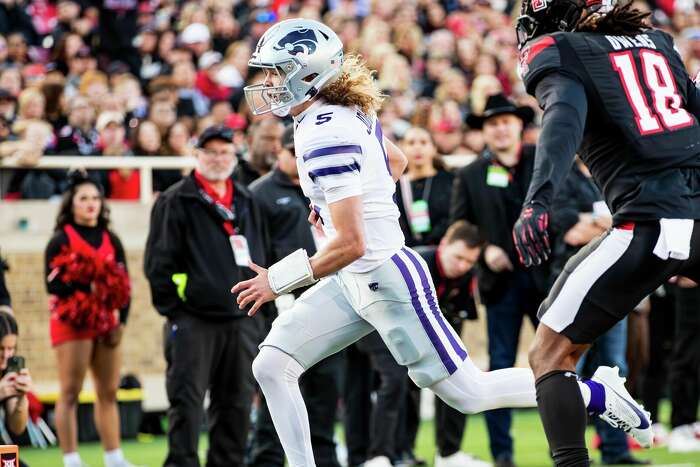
100 260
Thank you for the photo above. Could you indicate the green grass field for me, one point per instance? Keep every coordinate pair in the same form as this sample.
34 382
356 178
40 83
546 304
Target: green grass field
530 447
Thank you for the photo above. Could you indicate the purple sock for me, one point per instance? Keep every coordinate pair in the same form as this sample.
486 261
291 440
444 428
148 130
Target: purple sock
597 404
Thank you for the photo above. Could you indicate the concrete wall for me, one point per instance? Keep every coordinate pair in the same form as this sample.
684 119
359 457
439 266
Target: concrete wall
25 228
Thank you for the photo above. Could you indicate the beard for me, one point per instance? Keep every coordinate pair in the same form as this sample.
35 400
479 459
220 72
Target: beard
217 174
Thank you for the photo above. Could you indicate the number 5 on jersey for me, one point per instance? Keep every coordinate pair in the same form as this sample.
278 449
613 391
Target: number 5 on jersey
658 78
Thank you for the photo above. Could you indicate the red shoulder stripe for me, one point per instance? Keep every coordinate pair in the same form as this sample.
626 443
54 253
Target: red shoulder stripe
538 47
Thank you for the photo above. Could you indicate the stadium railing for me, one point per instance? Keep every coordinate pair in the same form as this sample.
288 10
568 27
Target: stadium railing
145 165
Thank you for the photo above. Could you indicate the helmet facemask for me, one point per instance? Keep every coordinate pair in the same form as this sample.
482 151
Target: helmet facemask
273 94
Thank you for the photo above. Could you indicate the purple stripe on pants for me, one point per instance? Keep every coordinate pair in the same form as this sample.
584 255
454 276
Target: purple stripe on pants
457 346
432 335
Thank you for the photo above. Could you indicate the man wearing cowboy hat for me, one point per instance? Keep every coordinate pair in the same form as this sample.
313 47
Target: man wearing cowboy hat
489 193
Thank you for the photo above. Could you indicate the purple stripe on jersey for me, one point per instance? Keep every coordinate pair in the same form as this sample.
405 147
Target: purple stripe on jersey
432 335
333 151
336 170
437 314
380 136
317 210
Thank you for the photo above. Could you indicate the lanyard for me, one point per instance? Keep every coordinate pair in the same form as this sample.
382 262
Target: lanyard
427 188
228 216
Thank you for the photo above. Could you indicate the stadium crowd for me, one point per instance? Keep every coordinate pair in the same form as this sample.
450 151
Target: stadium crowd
133 78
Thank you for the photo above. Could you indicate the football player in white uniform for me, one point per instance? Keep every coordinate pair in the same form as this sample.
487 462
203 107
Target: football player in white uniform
369 278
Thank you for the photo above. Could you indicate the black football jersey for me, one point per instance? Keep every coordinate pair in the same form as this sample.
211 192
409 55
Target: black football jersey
641 139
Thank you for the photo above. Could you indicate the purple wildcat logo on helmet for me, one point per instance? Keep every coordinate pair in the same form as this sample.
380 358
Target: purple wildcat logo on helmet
300 41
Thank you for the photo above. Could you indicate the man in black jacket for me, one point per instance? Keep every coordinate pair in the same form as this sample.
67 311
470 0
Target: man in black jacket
287 209
489 194
451 265
204 232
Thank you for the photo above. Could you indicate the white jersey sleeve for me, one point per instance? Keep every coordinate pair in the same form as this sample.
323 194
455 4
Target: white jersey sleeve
334 164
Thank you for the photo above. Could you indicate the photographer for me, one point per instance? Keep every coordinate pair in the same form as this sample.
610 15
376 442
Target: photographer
16 381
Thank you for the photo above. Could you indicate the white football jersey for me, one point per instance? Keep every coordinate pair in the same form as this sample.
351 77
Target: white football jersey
340 153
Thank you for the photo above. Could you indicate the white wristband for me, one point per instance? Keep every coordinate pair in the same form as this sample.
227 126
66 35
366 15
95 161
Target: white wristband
291 272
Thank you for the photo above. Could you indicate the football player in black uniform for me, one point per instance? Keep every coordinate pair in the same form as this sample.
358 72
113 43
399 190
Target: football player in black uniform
615 91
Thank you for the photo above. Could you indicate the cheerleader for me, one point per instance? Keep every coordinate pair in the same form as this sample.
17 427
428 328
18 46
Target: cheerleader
88 282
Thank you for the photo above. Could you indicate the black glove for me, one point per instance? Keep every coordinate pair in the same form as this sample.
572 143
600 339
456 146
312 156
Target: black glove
530 234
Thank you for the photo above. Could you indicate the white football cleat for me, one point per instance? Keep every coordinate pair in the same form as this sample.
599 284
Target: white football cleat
621 410
379 461
460 459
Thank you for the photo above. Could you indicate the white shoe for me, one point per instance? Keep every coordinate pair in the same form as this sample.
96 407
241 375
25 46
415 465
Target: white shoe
682 439
379 461
696 428
460 459
660 434
621 410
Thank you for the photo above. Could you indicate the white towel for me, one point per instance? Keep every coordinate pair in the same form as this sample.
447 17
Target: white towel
674 239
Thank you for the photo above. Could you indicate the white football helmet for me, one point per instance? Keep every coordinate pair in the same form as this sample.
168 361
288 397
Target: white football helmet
299 56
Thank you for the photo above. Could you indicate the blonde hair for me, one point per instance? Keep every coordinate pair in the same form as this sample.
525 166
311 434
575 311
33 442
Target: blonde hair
91 77
28 96
355 86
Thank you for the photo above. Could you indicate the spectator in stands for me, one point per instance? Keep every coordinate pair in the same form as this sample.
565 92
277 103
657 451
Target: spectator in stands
148 142
66 48
95 86
204 232
82 227
177 140
67 12
14 385
208 81
163 114
286 210
32 105
499 179
121 183
196 37
36 138
128 90
77 65
116 35
265 143
11 79
79 136
430 190
17 48
191 102
8 105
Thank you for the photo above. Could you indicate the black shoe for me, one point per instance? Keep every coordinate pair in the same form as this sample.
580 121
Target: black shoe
629 459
